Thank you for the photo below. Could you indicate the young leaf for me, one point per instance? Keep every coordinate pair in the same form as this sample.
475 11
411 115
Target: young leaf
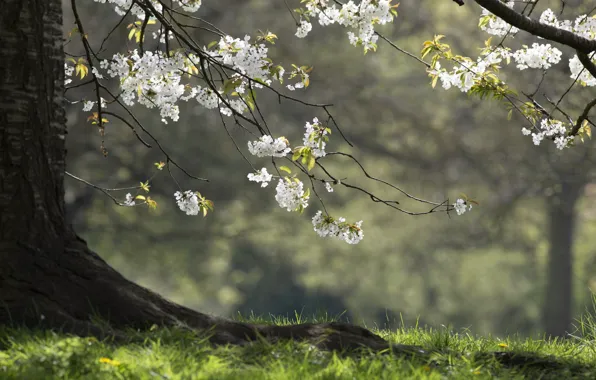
311 162
297 153
145 186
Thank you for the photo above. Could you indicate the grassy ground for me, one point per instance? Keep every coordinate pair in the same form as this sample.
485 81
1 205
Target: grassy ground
179 354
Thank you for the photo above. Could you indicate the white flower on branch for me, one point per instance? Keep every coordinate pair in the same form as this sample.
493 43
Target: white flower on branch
266 146
461 206
326 226
261 176
290 194
188 202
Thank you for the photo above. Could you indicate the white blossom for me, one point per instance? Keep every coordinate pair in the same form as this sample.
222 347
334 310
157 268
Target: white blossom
337 228
461 206
315 137
266 146
153 80
497 26
261 176
328 187
303 29
96 72
290 194
129 200
554 130
68 71
87 105
537 57
358 18
579 72
188 202
207 97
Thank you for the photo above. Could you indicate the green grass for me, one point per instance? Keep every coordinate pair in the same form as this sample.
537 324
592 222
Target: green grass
181 354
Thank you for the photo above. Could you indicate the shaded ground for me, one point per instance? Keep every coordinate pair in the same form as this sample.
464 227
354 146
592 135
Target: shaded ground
177 353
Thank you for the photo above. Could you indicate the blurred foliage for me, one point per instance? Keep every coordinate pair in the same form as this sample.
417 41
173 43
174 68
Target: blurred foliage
484 270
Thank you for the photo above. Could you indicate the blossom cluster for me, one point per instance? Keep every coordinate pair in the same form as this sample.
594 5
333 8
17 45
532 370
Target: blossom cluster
539 56
542 56
316 137
261 176
266 146
152 79
155 79
326 226
496 26
249 59
461 206
122 6
552 129
460 76
68 71
130 201
360 18
290 194
88 104
188 202
579 72
252 67
584 26
468 73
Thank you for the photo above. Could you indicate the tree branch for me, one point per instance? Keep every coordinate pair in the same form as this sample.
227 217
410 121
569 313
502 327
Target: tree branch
587 62
582 117
534 27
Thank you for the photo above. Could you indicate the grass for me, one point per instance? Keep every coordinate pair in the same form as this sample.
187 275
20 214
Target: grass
173 353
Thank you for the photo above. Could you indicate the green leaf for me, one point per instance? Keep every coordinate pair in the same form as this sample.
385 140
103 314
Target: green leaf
151 203
231 84
311 161
434 82
297 153
285 169
145 186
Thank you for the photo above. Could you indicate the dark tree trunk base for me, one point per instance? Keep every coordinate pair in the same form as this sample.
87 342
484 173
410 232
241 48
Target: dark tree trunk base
66 291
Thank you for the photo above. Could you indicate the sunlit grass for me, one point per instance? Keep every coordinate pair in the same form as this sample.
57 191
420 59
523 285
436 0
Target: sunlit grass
175 353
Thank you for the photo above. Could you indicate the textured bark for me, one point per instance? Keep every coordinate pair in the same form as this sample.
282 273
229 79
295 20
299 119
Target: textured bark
536 28
48 276
558 300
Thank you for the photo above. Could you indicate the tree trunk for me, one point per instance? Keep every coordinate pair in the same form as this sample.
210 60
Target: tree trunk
48 276
559 293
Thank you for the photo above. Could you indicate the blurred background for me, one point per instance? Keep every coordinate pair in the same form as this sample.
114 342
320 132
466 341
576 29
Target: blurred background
523 262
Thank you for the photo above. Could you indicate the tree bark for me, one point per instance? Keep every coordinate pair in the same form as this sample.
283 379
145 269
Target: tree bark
558 302
48 276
